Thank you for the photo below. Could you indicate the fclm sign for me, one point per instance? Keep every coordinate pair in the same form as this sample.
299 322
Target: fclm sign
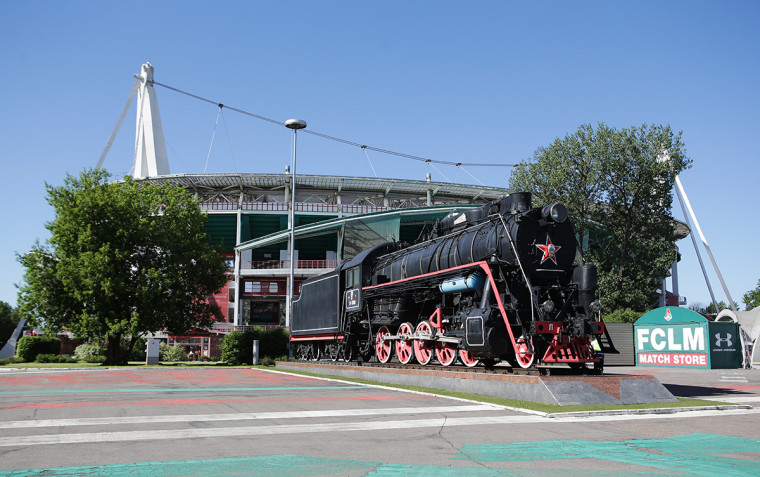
672 336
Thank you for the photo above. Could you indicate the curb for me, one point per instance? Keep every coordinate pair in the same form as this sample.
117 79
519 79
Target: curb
658 410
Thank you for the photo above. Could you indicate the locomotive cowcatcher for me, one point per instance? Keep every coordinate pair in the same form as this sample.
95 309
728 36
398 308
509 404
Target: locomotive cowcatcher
494 283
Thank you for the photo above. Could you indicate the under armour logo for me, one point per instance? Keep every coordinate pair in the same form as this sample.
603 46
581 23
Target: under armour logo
726 340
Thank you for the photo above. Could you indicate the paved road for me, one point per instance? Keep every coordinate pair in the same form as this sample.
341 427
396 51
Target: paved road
175 421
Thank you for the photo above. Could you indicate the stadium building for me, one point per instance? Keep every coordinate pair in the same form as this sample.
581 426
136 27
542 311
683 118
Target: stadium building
335 217
249 215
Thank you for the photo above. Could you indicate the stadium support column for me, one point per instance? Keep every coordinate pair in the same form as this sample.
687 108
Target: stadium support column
295 125
674 276
429 192
238 255
236 318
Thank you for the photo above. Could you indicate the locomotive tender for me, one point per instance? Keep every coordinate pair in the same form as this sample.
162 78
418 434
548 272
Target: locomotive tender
494 283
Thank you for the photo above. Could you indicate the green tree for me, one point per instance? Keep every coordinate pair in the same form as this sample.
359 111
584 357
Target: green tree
709 309
124 258
618 190
8 322
752 298
625 315
567 171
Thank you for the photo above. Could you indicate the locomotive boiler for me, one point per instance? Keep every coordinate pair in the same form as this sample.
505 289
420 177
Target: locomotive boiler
495 283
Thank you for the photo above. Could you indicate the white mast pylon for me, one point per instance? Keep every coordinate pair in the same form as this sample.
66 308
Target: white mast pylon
150 149
685 202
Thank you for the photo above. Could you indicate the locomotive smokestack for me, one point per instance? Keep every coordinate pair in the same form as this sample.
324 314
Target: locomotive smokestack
516 202
586 278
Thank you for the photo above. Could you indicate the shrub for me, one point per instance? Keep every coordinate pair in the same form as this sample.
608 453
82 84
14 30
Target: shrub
172 353
90 353
10 361
624 315
138 350
274 342
232 347
28 347
53 358
237 347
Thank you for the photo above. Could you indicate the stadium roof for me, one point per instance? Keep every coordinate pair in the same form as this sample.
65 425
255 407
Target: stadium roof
203 184
425 214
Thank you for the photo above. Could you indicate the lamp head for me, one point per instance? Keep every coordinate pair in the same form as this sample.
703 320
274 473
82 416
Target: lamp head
295 124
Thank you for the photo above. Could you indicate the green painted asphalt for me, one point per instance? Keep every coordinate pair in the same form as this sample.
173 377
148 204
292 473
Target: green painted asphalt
689 455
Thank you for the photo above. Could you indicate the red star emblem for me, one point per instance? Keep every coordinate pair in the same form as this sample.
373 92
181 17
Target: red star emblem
550 250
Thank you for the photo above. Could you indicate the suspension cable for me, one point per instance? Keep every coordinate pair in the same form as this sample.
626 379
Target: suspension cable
229 143
468 173
213 135
368 160
430 163
333 138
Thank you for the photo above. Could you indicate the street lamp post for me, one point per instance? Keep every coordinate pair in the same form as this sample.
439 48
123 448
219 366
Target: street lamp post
295 125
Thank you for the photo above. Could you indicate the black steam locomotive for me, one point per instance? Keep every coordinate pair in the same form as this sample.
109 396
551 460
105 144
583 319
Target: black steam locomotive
495 283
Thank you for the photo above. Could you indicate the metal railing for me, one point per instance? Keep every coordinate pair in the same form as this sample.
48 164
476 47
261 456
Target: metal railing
351 209
230 327
285 264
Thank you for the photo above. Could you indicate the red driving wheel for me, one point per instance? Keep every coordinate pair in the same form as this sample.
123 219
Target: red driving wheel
423 348
383 347
404 348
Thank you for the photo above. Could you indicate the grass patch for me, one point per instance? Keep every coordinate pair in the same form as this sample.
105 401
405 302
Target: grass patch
530 405
79 364
131 364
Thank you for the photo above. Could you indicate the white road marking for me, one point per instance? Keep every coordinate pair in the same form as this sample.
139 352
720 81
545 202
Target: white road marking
735 400
733 377
156 434
98 421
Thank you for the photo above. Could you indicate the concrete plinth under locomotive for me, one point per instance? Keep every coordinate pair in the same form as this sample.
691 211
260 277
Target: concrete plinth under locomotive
558 390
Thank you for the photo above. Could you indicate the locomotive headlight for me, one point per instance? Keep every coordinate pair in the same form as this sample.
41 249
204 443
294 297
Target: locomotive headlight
555 213
548 306
595 306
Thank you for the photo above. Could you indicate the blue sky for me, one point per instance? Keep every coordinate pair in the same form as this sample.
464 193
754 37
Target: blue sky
484 81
